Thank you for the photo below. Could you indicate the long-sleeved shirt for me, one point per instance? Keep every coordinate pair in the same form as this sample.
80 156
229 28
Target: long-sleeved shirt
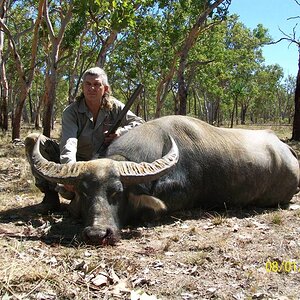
82 138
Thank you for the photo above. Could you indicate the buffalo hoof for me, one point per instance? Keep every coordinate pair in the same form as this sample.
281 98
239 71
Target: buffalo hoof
97 236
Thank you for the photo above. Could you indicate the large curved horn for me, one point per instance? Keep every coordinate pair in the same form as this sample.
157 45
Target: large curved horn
60 173
135 173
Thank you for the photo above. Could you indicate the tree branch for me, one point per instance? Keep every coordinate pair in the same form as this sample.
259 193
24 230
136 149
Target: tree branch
287 37
65 21
16 56
48 22
35 40
194 32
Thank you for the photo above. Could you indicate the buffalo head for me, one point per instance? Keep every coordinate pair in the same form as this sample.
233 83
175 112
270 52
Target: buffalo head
99 187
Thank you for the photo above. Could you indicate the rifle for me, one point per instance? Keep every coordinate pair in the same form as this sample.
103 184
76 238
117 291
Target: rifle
122 114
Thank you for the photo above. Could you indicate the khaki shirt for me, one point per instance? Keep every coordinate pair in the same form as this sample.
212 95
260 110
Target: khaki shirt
81 139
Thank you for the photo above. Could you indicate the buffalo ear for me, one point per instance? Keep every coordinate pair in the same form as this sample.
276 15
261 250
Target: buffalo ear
146 201
74 207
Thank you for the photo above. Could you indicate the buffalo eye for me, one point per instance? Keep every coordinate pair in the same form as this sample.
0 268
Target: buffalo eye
88 185
114 193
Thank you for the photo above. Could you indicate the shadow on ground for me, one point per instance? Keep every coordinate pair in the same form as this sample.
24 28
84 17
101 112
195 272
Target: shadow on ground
29 223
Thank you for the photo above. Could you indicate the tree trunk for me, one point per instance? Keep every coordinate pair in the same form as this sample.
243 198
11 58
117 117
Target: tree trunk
17 115
243 114
74 81
233 112
3 99
296 122
236 113
25 116
25 79
163 88
101 59
37 117
51 77
216 112
3 78
49 99
182 89
30 107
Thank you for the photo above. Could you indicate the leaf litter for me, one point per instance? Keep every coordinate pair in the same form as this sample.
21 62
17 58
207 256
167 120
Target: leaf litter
190 255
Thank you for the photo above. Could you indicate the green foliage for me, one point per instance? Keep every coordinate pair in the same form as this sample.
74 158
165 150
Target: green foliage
235 72
225 68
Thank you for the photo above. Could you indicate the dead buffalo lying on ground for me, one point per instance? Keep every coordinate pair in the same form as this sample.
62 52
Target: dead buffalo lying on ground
175 163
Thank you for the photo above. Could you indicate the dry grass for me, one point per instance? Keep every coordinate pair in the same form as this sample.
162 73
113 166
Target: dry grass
194 255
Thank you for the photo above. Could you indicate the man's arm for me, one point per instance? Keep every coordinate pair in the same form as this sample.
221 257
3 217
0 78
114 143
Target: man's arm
68 142
130 121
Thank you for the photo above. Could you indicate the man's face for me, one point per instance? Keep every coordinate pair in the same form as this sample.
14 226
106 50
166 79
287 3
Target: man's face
93 88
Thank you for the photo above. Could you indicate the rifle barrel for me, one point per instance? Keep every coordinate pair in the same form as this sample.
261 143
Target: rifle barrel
126 108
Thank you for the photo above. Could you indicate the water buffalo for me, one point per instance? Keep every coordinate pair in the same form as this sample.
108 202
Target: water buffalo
174 163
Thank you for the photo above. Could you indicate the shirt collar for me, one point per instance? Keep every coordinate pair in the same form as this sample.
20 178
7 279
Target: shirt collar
82 108
103 113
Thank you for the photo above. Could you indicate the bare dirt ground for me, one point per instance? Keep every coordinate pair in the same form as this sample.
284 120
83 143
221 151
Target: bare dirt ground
242 254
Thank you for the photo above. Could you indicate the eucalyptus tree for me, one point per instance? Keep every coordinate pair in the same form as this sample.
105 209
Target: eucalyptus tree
22 30
205 20
264 101
182 24
226 83
209 79
61 14
137 57
4 5
244 47
157 49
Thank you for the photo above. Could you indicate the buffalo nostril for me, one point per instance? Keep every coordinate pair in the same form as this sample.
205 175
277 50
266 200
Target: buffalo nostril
93 235
98 236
